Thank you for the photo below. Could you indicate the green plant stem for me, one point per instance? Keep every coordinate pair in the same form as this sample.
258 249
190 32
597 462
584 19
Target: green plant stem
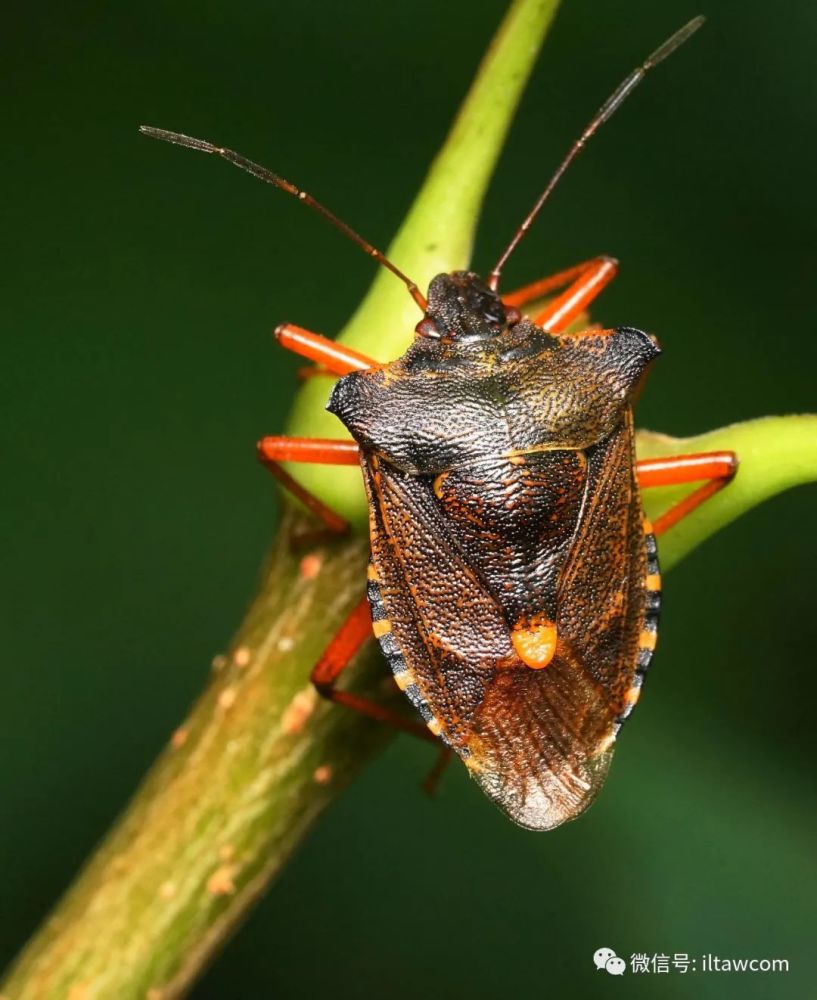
775 454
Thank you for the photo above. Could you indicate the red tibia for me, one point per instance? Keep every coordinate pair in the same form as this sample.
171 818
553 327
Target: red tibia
585 281
325 451
677 469
336 358
272 450
560 313
716 468
348 639
538 289
432 779
338 654
380 713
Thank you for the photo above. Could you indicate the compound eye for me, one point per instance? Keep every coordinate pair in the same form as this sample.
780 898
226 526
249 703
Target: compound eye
427 328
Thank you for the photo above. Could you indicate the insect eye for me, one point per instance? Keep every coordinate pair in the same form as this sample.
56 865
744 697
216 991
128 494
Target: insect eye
427 328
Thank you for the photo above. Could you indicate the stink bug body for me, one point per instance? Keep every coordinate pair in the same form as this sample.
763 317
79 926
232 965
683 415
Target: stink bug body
513 584
509 555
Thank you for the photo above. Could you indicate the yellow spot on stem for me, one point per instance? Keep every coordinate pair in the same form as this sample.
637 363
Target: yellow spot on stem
242 656
322 775
310 567
222 881
227 698
299 710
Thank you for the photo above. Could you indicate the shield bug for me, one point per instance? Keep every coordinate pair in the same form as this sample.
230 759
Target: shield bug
513 585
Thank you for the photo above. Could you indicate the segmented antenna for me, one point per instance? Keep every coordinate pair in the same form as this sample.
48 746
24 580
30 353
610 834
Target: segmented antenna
270 178
607 109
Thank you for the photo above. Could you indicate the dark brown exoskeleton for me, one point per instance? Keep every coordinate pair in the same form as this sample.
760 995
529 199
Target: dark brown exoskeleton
509 554
513 584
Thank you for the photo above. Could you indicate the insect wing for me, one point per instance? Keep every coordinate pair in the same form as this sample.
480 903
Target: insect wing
537 741
439 628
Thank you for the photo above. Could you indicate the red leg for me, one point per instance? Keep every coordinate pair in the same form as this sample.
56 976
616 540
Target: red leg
432 779
338 654
584 282
336 358
311 371
716 468
560 313
273 450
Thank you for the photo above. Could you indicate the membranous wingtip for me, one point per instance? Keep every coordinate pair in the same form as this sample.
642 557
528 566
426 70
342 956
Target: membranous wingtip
178 139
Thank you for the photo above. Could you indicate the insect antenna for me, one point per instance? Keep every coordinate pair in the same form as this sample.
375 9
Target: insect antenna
270 178
607 109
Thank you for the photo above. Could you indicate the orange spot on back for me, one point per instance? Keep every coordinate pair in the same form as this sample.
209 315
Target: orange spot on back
404 679
535 641
437 485
647 639
434 725
381 627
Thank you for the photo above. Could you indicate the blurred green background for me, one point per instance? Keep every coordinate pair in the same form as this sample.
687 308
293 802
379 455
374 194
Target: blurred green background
141 286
